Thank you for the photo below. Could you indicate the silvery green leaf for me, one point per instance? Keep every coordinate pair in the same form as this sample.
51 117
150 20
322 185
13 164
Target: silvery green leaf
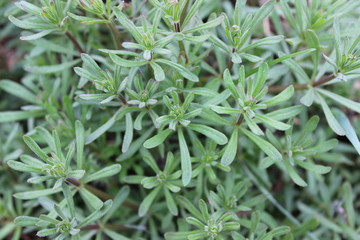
210 24
285 95
93 217
193 10
157 139
186 167
264 145
341 100
350 132
181 69
104 173
92 201
211 133
294 175
51 68
129 131
230 149
36 194
26 221
146 203
36 35
78 174
18 90
271 122
126 63
308 98
158 71
333 123
18 166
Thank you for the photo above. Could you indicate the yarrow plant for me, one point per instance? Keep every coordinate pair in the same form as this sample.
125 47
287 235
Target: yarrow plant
179 119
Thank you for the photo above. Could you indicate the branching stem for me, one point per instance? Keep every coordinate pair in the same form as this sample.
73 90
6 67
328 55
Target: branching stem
325 79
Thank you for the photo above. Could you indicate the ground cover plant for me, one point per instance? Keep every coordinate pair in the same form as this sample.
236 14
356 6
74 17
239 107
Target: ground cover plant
179 119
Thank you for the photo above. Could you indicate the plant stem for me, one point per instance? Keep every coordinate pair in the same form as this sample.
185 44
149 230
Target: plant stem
74 41
181 43
240 120
115 33
122 99
325 79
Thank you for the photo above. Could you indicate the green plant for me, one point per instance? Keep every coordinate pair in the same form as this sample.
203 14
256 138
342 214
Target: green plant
179 119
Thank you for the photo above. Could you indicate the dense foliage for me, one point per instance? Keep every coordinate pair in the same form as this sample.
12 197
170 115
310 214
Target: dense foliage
179 119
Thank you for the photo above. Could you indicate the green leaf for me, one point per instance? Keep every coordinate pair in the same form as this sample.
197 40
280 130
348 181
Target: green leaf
349 130
343 101
313 42
36 194
148 200
281 97
293 174
313 167
211 133
46 232
51 68
69 199
186 73
26 221
120 197
37 35
348 196
299 72
104 173
281 59
18 91
333 123
229 83
114 235
157 139
265 41
128 25
271 122
225 110
96 214
128 136
186 168
30 24
87 20
285 113
12 116
260 79
126 63
35 148
337 40
210 24
158 71
92 201
170 202
80 139
265 146
230 149
308 98
102 129
18 166
193 10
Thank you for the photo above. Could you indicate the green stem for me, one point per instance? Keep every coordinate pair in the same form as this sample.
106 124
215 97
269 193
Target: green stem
115 34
